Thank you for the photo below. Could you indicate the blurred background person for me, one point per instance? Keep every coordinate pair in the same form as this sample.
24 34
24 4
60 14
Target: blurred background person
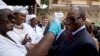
89 28
44 23
37 30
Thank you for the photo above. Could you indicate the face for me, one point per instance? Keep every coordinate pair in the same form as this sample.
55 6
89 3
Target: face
7 20
74 20
20 18
45 21
9 25
33 22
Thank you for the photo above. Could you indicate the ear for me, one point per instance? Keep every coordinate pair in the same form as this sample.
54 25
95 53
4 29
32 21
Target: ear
84 18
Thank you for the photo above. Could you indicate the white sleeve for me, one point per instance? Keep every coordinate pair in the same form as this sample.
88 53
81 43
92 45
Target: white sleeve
9 49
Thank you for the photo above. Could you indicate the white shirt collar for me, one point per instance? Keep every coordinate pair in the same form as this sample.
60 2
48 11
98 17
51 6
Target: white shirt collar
82 27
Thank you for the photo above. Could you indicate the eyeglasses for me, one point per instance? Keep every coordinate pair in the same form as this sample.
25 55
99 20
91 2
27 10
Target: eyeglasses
72 19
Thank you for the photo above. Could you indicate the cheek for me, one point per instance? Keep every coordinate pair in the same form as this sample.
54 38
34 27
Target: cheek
8 26
72 26
80 21
20 20
33 22
2 27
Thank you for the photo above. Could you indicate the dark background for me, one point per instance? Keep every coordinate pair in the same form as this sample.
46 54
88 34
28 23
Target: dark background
19 2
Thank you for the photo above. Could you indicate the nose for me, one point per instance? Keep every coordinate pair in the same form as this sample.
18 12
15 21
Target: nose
12 24
13 21
68 23
22 18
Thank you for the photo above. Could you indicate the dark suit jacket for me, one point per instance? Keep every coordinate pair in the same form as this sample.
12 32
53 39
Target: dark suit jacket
81 44
54 48
98 35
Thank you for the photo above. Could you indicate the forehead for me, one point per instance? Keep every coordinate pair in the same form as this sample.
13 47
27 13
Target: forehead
73 12
45 19
6 15
6 11
20 14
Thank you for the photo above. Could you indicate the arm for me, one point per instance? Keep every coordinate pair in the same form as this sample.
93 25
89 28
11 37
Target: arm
43 46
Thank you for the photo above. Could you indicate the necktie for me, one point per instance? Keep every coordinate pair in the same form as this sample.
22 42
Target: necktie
69 36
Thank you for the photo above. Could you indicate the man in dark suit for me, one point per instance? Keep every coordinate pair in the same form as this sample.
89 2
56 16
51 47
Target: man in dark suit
80 42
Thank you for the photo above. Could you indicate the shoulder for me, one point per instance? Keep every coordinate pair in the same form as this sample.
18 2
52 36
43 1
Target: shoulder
83 35
39 27
90 47
2 40
26 25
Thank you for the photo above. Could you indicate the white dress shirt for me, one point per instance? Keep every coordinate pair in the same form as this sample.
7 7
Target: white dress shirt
43 28
79 29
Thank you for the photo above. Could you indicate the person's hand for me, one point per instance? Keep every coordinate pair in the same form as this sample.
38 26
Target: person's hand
55 27
26 39
30 45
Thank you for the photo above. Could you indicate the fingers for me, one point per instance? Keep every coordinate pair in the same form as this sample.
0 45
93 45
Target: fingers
26 36
26 39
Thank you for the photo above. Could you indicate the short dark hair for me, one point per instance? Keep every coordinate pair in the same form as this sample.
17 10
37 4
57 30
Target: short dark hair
81 10
44 17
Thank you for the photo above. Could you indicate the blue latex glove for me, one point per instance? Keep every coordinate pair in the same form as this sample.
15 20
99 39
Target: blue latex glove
55 27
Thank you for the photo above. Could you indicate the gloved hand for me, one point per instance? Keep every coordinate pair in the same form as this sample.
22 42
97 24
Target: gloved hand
55 27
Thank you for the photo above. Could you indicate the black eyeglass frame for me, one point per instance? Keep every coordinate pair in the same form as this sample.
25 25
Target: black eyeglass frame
72 19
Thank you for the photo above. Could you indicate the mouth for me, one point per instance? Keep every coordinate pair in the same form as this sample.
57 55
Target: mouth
11 29
12 26
70 27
